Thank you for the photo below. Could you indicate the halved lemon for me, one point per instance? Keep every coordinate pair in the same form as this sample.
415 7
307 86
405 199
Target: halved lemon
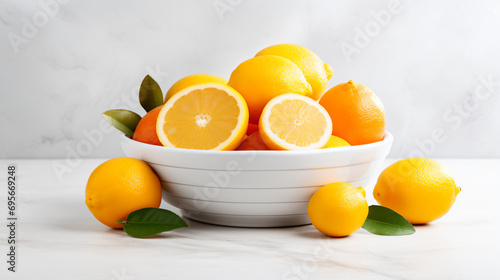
294 122
209 116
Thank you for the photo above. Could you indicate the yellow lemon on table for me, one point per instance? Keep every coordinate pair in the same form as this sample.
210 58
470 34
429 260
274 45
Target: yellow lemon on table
420 189
120 186
294 122
190 80
338 209
262 78
316 72
210 116
336 142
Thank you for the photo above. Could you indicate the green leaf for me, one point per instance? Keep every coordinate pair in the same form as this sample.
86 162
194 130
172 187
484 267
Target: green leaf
150 95
150 221
123 120
384 221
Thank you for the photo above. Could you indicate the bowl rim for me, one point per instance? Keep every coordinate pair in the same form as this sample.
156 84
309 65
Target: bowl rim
388 139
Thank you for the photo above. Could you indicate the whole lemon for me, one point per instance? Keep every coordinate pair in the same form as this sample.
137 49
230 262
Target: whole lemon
338 209
192 80
120 186
317 72
420 189
336 142
262 78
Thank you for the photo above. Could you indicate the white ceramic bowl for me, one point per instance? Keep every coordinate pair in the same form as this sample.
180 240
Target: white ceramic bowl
255 188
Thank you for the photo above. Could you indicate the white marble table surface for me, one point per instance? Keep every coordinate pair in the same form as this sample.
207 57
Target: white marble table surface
58 238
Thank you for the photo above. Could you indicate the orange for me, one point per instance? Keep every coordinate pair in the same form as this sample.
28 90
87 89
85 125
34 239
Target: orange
252 142
145 131
191 80
336 142
262 78
357 114
420 189
120 186
317 72
338 209
294 122
210 116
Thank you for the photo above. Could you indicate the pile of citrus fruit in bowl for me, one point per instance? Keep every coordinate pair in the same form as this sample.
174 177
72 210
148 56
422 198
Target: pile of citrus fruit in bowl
277 100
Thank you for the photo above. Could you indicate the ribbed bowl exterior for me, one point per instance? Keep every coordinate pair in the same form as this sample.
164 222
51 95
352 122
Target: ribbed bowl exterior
255 188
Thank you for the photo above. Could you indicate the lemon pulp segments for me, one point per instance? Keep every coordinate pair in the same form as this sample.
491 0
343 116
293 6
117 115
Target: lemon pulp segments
292 121
297 122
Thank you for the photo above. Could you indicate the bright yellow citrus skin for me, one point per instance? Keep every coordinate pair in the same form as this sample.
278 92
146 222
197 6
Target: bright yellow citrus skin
192 80
420 189
120 186
262 78
317 72
338 209
336 142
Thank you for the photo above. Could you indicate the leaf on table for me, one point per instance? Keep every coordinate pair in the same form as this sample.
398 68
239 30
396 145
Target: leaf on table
150 221
384 221
123 120
150 95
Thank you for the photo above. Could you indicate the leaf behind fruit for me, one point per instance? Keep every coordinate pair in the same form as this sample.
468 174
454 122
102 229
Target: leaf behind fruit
124 120
150 95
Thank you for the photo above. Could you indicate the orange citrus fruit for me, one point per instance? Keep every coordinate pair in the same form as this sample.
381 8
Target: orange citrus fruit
262 78
420 189
338 209
145 131
210 116
357 114
252 142
294 122
336 142
190 80
316 72
120 186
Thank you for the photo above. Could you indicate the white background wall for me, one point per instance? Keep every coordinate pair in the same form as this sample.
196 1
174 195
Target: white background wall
429 62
